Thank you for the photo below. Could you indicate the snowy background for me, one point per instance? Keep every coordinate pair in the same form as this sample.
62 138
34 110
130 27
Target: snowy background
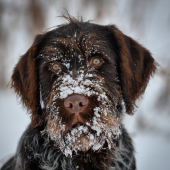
147 21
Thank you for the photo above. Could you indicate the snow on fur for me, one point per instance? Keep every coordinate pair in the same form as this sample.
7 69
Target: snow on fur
81 138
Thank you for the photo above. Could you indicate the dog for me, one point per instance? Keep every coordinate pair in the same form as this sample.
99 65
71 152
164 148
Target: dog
77 81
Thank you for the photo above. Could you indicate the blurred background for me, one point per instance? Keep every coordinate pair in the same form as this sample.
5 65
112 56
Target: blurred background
147 21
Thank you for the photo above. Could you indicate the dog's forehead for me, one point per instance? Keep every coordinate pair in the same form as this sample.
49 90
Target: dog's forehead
76 43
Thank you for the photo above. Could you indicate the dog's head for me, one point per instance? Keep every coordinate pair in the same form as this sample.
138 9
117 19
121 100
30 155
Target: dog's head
77 79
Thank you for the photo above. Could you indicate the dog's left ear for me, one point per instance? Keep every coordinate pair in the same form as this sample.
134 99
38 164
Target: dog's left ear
135 65
24 81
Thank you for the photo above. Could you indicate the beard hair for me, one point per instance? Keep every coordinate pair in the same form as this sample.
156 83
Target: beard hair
94 135
103 124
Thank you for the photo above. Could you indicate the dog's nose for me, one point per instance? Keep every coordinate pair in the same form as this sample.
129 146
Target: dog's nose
76 103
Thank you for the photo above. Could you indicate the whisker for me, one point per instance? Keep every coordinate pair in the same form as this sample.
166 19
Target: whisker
92 71
52 93
100 77
51 97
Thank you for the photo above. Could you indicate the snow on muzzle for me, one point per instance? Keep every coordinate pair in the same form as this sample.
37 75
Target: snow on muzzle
66 85
101 129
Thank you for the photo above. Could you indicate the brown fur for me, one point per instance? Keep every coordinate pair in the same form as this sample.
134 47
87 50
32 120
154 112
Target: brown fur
136 66
122 75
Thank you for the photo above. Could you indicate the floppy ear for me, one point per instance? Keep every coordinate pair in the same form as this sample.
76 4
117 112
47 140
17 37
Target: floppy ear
136 66
24 81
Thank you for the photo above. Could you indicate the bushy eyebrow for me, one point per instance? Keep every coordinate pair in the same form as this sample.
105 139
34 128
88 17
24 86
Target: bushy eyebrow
89 40
49 49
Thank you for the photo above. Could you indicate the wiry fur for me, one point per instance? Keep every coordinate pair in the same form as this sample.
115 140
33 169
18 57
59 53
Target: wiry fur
35 150
57 139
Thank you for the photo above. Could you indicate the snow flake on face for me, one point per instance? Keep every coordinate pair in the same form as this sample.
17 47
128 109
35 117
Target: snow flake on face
67 65
96 111
80 85
41 100
80 58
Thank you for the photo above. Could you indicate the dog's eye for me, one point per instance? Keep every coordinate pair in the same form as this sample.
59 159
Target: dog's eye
96 61
55 66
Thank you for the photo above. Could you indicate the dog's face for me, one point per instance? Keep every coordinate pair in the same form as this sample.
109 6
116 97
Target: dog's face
78 79
83 96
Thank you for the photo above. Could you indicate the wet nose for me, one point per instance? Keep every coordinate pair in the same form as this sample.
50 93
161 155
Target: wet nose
76 103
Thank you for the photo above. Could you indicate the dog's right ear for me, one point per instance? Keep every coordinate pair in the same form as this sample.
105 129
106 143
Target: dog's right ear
24 81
